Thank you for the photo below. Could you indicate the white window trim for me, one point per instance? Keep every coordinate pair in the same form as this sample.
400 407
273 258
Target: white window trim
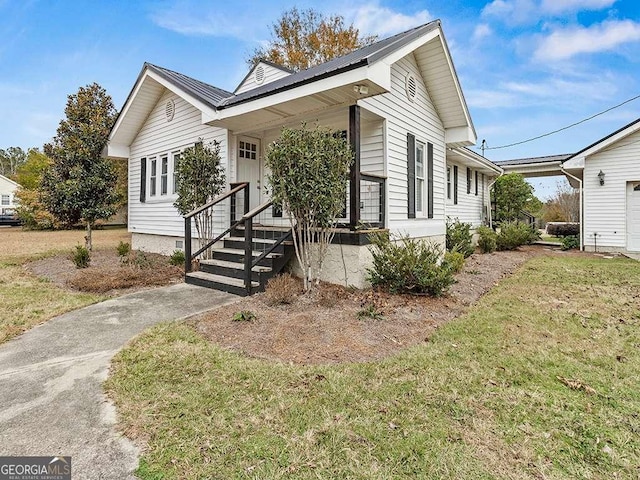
153 177
420 207
449 182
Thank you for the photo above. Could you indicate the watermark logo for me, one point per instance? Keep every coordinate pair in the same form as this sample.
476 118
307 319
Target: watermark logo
35 468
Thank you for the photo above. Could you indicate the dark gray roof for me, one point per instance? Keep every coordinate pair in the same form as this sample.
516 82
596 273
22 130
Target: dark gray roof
202 91
363 56
534 160
605 138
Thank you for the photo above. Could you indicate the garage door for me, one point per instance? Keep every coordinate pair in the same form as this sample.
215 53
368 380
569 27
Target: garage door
633 217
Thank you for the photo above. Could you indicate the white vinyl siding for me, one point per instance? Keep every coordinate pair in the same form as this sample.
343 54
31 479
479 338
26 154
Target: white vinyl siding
420 119
470 207
157 138
605 206
270 74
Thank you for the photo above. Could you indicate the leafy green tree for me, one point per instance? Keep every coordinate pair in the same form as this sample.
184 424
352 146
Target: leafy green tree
79 187
309 170
10 161
512 194
31 210
200 178
304 38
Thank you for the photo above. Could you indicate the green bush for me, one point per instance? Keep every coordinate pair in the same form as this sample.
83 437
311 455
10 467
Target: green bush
454 260
571 241
408 265
486 239
177 258
459 237
81 257
244 316
514 234
123 249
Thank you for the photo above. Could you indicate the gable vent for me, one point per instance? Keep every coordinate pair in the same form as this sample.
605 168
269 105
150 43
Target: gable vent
411 86
170 110
259 74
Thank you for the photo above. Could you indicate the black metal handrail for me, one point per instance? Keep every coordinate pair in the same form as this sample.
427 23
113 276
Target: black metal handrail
235 188
247 219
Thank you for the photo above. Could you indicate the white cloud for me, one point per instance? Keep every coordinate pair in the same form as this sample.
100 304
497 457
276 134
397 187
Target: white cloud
482 31
373 19
565 43
531 11
562 6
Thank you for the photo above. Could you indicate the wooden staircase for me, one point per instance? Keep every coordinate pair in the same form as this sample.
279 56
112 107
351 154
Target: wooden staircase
226 271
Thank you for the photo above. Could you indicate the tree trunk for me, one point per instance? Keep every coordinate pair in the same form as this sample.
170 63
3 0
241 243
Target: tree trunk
87 238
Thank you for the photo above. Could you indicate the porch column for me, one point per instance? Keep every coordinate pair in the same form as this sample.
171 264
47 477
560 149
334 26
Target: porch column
354 177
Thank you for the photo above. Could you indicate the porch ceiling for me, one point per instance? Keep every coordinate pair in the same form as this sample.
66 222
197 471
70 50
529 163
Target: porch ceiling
293 109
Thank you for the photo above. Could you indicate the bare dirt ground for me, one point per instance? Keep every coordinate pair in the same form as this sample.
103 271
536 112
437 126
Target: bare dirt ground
326 328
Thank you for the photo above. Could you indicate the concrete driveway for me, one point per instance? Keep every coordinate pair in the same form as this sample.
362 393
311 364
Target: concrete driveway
51 400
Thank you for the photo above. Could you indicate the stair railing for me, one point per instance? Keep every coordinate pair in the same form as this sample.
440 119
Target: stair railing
235 189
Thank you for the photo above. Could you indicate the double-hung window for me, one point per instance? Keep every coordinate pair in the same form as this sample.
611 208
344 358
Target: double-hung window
153 176
6 200
449 183
164 175
420 177
176 160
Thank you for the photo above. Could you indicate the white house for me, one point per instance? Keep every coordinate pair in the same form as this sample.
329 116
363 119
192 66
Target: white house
609 173
8 203
399 103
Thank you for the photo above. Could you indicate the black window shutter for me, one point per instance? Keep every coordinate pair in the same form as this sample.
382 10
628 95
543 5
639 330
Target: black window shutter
411 175
468 180
430 180
455 184
143 180
476 182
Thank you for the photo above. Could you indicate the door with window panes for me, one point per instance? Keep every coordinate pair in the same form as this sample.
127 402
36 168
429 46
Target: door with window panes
249 167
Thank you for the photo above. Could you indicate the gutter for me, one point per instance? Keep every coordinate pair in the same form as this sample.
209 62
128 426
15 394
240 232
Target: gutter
581 206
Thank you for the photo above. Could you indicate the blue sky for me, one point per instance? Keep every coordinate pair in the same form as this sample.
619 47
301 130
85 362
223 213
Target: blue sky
526 66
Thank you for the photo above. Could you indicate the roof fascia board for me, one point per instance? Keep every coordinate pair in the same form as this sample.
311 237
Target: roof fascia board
405 50
9 180
478 159
379 74
574 163
128 102
117 150
456 135
607 142
172 87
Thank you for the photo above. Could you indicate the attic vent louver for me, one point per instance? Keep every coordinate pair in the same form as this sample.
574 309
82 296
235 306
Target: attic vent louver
411 86
170 110
259 75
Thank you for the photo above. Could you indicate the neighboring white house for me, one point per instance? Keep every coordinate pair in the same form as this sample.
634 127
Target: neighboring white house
398 101
609 171
8 189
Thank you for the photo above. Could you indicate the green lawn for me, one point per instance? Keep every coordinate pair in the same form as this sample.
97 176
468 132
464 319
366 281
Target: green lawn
540 379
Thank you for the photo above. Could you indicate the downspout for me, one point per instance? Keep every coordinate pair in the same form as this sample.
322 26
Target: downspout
489 199
581 208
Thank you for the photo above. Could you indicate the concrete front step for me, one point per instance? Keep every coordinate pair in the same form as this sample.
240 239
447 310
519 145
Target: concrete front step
220 282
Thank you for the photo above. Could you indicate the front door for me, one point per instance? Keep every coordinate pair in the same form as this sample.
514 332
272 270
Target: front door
633 216
249 167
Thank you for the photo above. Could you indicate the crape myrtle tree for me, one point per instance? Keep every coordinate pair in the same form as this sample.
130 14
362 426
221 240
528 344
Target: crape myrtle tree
309 170
200 178
301 39
79 186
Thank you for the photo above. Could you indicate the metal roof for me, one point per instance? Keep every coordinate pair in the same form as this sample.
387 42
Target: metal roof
534 160
202 91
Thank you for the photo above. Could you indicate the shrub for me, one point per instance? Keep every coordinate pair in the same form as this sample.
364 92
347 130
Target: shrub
408 265
486 239
282 289
81 257
123 249
244 316
455 261
370 311
563 229
177 258
514 234
459 237
570 241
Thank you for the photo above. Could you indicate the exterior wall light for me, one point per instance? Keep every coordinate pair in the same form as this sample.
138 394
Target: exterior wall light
361 89
601 177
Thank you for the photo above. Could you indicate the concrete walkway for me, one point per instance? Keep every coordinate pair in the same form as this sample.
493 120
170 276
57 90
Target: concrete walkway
51 400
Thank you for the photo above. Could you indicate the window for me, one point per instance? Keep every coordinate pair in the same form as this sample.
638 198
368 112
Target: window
5 200
476 183
176 160
247 150
449 183
455 184
152 177
468 180
164 175
419 177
